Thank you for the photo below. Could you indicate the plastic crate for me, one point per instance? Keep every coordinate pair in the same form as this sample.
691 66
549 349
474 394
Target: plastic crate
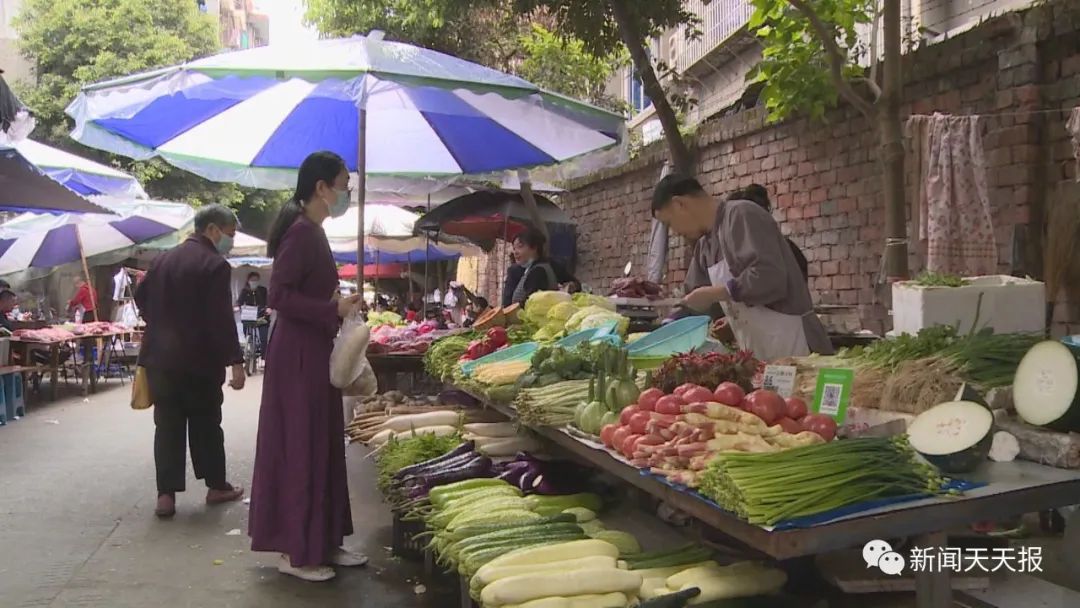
404 543
679 336
518 352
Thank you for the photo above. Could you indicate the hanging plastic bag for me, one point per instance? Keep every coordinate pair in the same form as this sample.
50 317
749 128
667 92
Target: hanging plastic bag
141 398
348 359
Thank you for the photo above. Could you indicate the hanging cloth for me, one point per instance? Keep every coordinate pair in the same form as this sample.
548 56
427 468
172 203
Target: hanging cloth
956 229
1073 127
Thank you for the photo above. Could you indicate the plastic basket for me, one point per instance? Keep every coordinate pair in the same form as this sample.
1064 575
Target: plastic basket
679 336
518 352
403 541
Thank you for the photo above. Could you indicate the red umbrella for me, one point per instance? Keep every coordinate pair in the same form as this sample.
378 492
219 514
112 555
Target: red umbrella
373 271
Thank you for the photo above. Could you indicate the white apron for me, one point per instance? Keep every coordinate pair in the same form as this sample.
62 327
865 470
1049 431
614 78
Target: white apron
769 334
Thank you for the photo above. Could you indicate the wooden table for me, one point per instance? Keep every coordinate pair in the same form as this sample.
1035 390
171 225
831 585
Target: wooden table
1013 489
83 346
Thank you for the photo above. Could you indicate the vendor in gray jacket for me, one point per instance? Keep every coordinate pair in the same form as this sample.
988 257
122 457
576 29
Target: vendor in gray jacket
752 271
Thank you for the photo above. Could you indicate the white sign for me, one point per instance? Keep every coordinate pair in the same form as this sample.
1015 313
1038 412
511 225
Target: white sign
249 313
780 378
879 554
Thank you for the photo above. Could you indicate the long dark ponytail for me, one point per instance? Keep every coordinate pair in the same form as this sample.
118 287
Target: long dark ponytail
322 166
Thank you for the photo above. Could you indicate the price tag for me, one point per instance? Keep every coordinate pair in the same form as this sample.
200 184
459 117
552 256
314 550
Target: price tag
249 313
780 378
833 392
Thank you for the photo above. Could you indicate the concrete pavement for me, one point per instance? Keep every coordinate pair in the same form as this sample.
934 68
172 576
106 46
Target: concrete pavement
77 527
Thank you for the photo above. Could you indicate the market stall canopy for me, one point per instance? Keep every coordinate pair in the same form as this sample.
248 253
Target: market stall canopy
252 116
373 271
414 256
388 230
484 217
79 174
46 241
24 187
247 245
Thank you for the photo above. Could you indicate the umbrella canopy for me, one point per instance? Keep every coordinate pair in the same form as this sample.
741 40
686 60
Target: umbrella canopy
47 241
490 215
373 271
389 230
23 187
252 116
79 174
247 245
414 256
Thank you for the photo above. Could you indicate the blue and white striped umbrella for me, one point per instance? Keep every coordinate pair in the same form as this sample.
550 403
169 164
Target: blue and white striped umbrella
46 241
79 174
252 116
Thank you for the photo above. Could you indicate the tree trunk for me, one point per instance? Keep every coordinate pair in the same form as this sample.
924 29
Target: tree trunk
681 158
892 149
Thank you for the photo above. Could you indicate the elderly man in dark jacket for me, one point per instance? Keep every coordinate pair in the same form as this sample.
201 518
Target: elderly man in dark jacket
186 301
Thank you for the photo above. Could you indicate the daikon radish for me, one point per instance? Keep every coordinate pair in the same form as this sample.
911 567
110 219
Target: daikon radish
507 446
492 429
439 431
405 422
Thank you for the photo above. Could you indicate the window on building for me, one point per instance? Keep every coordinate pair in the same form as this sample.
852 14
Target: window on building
635 93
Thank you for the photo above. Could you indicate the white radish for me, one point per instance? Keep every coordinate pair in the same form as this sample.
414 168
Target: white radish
492 429
508 447
439 431
404 422
1004 447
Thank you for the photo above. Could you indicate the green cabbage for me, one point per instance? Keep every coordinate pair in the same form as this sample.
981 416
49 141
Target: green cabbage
561 312
376 319
574 322
600 319
582 300
551 331
539 303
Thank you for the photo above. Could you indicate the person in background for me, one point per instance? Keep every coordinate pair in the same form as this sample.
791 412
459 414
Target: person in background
255 295
8 300
537 273
758 194
477 308
300 490
190 339
749 264
83 304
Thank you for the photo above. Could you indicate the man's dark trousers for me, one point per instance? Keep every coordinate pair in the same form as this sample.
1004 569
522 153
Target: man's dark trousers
187 410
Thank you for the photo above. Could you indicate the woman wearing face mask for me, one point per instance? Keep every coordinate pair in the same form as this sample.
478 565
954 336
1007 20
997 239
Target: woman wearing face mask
254 295
299 495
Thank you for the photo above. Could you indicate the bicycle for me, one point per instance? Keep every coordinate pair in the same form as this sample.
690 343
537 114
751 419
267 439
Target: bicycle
253 346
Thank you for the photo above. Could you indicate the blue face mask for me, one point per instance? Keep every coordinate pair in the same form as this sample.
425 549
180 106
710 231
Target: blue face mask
341 204
225 245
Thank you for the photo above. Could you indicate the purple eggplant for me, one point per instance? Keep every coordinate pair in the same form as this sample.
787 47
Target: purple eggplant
464 448
451 463
478 467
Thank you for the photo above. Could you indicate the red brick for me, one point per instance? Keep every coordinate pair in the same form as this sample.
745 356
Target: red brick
818 195
811 210
847 205
842 281
830 268
813 269
805 168
849 297
821 283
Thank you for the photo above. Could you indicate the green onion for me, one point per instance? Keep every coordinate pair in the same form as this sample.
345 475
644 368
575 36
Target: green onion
766 488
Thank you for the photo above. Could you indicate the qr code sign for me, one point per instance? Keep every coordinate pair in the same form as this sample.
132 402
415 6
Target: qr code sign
830 399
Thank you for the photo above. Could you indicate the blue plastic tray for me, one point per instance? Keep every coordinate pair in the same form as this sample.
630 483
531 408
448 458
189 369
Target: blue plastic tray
679 336
517 352
590 335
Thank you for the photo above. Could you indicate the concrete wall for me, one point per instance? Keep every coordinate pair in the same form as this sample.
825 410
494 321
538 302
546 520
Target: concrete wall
824 180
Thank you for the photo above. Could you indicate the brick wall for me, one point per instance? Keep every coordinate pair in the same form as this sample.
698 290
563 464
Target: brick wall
824 179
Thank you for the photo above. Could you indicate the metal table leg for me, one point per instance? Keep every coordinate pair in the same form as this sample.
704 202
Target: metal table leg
933 589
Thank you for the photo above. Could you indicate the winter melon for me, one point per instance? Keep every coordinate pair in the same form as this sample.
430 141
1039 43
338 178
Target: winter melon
1044 391
954 436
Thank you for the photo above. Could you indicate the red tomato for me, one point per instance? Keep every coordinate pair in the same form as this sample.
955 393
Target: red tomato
624 416
698 395
821 424
607 434
729 393
767 405
638 422
670 404
647 399
628 445
795 408
685 387
789 425
619 436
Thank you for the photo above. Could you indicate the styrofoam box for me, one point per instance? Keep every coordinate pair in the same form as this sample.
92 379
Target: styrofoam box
1009 304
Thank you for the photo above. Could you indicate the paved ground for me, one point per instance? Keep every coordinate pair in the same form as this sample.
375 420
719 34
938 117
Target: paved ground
77 525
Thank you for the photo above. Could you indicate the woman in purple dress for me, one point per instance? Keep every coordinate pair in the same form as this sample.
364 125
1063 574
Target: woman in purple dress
299 493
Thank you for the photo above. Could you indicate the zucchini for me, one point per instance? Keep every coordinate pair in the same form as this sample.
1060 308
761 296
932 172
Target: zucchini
550 505
439 493
560 552
508 516
954 436
1045 387
487 575
593 600
469 531
624 541
682 556
527 587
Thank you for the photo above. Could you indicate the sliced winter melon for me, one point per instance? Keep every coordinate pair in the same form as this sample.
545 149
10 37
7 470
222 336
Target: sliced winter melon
953 436
1044 391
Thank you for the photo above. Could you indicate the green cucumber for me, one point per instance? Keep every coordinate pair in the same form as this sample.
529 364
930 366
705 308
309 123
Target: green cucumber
439 494
479 529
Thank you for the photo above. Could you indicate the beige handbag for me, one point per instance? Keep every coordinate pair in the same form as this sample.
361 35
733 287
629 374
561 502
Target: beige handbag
141 398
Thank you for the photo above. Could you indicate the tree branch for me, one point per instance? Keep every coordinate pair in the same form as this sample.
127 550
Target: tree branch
836 57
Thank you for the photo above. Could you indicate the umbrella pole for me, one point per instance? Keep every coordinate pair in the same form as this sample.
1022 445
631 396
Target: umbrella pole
377 258
361 183
427 244
86 271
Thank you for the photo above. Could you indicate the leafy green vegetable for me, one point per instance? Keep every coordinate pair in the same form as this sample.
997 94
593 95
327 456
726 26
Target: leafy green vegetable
442 358
928 278
409 450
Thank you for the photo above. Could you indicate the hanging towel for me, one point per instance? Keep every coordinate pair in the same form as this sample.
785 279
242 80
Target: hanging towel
1073 127
956 229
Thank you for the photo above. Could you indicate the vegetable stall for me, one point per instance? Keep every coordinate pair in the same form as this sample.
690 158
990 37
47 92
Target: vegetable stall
708 433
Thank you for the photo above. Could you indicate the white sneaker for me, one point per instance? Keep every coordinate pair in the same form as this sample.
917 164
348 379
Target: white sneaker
349 559
312 574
